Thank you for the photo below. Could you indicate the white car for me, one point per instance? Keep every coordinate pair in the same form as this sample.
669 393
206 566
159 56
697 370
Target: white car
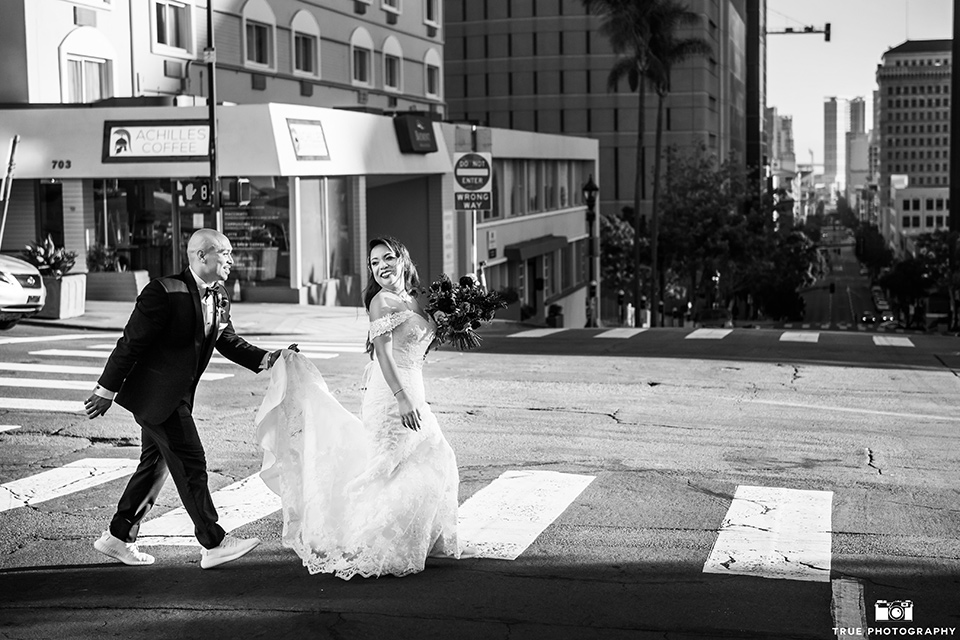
22 293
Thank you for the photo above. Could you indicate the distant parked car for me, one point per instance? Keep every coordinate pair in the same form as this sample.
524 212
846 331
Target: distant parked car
22 293
721 318
886 316
867 317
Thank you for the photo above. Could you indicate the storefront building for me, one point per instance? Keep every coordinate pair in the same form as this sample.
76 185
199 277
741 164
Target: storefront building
304 189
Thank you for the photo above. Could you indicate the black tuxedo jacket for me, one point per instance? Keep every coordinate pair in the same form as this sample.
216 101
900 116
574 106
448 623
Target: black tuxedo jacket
158 361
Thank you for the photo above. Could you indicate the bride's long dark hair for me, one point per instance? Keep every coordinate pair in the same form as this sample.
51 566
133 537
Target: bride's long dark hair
411 281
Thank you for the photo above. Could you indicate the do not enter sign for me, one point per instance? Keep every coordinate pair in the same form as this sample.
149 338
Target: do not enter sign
472 173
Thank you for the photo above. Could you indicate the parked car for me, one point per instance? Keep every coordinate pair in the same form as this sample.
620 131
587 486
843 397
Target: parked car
868 317
886 316
721 318
22 293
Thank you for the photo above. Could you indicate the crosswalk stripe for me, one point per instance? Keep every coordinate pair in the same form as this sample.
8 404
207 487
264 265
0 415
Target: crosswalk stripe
621 332
800 336
42 404
892 341
72 336
92 353
237 504
535 333
65 368
46 383
504 518
62 481
708 334
771 532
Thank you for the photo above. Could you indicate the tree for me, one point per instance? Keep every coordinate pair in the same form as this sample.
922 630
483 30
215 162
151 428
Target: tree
617 238
627 25
666 50
934 249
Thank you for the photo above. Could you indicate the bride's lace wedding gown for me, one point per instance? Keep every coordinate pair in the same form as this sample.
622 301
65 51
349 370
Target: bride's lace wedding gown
361 496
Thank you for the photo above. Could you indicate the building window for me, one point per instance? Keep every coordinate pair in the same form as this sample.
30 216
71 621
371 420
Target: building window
172 24
391 5
361 65
392 64
259 27
431 12
258 43
88 79
391 72
432 62
305 53
361 57
433 80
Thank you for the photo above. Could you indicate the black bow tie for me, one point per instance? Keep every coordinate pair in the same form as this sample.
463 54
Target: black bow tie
211 291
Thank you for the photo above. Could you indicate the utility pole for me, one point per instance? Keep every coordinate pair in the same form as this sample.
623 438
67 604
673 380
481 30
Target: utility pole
954 191
210 57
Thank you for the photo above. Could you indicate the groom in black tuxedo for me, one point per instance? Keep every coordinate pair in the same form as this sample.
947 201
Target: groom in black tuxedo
153 372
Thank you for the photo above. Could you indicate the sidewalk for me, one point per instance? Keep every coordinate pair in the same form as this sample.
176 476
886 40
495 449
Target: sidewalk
326 324
329 324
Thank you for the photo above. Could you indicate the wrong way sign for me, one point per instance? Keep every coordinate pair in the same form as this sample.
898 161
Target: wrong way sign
473 174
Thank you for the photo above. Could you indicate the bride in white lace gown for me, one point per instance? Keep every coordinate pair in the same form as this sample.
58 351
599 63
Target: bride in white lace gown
373 495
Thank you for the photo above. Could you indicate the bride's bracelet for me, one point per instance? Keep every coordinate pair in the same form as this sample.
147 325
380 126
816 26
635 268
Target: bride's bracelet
397 391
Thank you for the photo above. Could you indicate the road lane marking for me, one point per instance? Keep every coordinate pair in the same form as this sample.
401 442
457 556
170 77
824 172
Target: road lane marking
846 605
65 368
708 334
72 336
779 533
237 504
79 353
42 404
800 336
504 518
62 481
892 341
9 427
621 332
876 412
535 333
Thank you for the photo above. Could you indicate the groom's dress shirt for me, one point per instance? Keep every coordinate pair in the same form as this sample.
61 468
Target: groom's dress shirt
209 301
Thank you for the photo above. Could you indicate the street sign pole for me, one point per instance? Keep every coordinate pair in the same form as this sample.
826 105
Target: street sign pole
472 173
8 184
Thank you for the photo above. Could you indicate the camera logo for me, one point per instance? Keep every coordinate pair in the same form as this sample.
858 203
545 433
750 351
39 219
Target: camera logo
893 610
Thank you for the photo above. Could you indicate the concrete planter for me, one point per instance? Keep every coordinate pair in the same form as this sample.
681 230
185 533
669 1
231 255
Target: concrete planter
121 286
66 297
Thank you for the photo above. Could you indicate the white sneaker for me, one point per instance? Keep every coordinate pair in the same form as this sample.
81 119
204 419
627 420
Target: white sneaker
230 549
125 552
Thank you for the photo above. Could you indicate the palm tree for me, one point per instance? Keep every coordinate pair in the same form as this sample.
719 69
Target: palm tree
666 50
627 25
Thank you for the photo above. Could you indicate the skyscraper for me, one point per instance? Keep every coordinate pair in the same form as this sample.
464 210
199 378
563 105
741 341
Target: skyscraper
914 86
836 123
542 65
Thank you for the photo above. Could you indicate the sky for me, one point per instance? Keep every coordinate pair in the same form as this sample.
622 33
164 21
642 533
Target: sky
802 69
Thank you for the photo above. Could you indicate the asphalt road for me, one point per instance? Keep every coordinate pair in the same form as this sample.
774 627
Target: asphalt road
669 426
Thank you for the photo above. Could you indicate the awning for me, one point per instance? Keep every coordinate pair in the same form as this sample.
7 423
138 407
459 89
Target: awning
535 247
171 142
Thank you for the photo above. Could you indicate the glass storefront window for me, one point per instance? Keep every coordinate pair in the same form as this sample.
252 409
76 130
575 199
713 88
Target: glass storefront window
259 230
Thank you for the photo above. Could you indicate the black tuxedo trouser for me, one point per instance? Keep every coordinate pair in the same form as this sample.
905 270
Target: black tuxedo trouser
174 446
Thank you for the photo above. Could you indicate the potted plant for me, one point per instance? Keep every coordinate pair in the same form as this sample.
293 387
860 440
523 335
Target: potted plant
109 278
66 292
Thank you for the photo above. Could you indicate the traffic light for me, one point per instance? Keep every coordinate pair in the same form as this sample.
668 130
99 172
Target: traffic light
826 33
833 287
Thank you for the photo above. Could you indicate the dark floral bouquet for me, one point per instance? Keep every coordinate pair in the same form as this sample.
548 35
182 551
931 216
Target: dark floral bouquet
459 309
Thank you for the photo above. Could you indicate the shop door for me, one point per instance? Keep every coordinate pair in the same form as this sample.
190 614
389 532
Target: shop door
50 212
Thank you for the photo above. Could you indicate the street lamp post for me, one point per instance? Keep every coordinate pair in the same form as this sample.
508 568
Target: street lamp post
590 191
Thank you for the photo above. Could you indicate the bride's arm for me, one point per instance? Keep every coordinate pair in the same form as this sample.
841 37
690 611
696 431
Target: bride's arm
383 346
